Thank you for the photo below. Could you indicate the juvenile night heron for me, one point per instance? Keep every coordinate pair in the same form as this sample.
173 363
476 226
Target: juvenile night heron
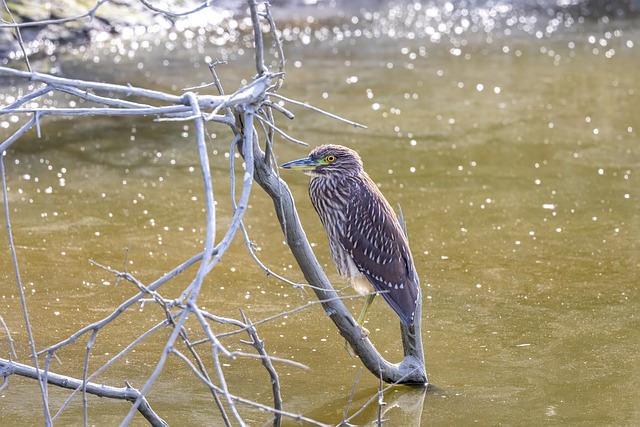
367 244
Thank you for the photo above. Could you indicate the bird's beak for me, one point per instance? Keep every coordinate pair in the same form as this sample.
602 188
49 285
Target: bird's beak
306 164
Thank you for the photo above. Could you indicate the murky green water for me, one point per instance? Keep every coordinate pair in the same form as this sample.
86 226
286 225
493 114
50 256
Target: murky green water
514 157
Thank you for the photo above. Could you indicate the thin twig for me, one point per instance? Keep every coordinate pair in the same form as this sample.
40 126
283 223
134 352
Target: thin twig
215 391
278 44
296 417
236 354
317 110
258 344
23 301
18 36
292 311
266 269
159 367
350 400
85 370
12 349
17 134
124 306
46 22
224 386
171 14
28 97
288 114
274 127
381 402
105 366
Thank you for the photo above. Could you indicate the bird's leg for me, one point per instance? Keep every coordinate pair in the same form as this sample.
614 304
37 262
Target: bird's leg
363 314
360 322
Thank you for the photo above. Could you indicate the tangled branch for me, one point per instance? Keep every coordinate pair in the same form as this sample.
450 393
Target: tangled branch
250 112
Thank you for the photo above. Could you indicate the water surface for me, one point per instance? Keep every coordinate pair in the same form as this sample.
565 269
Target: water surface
512 149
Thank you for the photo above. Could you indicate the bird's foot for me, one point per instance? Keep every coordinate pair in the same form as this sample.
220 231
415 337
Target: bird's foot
365 335
365 331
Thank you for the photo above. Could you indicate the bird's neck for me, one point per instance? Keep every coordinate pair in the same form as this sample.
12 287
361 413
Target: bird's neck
325 188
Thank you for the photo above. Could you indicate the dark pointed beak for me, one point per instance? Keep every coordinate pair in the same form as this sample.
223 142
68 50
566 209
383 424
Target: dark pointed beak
306 164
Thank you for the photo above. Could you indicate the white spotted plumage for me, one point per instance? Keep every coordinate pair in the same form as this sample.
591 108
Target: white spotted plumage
366 241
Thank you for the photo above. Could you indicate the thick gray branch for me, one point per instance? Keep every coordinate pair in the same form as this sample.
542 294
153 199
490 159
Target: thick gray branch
128 393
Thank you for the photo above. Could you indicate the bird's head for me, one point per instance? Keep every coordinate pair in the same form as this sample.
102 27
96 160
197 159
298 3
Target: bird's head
328 160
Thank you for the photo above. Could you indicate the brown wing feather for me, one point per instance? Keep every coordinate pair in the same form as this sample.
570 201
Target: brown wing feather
379 249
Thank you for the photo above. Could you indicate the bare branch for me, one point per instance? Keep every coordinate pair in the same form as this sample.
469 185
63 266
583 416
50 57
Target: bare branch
13 138
104 367
90 14
215 391
108 87
235 354
278 44
248 107
216 81
26 98
257 34
288 114
18 35
267 270
258 344
124 306
350 401
296 417
171 14
209 250
317 110
12 349
129 393
274 127
23 301
104 100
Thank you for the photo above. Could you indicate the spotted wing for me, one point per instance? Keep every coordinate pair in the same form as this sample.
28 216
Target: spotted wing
379 249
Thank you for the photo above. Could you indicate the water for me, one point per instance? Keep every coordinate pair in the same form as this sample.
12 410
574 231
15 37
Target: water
512 149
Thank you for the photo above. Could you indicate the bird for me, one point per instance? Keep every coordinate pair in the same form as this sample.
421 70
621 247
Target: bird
366 241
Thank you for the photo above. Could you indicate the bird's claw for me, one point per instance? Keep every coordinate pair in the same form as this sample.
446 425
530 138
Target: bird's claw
365 335
365 332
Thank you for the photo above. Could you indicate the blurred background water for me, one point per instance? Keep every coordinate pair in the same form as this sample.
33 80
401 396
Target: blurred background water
508 132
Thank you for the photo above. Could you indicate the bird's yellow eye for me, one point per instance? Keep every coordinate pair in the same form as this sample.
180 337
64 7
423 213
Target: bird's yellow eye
330 158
